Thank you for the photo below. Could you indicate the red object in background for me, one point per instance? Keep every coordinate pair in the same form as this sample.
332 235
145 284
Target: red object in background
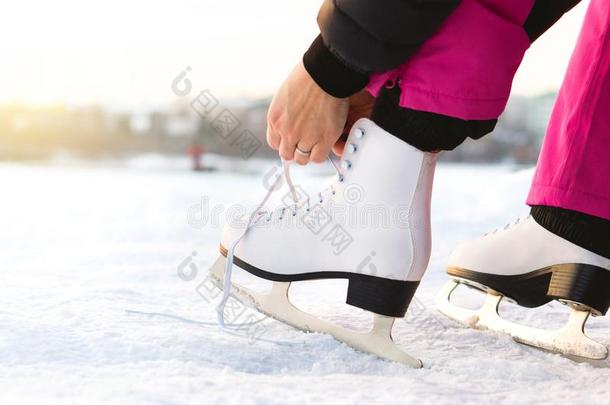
196 152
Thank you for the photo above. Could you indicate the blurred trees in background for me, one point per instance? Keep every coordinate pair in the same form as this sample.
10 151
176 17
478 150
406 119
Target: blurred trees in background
41 133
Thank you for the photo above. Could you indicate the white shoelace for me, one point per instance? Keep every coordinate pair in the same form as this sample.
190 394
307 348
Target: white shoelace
256 215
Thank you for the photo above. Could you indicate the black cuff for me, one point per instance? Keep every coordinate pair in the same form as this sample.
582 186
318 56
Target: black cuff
581 229
423 130
330 72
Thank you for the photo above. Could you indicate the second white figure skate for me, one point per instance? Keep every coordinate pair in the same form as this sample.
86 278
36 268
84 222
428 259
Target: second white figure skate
284 244
531 266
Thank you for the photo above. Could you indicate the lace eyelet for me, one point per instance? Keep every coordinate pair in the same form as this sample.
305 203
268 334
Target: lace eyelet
346 164
359 132
352 148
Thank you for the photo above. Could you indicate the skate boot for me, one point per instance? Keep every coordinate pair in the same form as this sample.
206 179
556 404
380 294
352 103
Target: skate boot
530 266
305 241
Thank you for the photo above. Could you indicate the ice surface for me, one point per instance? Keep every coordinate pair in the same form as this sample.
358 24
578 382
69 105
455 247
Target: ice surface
92 308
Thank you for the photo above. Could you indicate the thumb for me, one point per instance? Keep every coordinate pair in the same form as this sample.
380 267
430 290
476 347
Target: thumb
339 146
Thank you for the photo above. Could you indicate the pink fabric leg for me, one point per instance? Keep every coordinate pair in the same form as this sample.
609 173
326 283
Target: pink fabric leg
573 170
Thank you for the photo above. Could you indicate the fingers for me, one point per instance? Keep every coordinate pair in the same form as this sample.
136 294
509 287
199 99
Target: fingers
287 146
338 148
320 152
319 148
340 144
273 137
302 114
301 158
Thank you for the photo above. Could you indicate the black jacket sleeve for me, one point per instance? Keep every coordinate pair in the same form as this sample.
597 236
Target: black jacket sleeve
544 14
363 36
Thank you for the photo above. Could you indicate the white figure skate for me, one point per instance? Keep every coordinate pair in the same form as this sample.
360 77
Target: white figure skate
531 266
291 243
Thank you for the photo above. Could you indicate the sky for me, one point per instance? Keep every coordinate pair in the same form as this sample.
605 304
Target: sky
125 54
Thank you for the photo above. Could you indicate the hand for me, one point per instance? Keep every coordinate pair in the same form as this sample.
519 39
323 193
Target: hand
302 114
360 106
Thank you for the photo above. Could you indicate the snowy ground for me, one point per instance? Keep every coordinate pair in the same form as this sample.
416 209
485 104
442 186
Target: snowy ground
92 308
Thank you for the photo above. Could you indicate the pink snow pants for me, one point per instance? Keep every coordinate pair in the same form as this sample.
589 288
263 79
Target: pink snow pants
573 170
466 70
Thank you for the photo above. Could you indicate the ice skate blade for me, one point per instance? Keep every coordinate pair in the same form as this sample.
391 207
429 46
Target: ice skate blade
468 317
377 341
570 340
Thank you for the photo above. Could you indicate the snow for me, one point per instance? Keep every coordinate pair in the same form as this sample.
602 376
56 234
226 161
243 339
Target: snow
92 309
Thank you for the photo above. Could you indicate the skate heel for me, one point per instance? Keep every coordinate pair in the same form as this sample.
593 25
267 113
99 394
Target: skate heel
382 296
581 284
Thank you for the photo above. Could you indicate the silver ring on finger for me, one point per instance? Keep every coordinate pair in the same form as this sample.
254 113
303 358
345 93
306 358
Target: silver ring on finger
303 152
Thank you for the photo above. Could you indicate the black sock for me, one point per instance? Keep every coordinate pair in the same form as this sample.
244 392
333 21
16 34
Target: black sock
423 130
